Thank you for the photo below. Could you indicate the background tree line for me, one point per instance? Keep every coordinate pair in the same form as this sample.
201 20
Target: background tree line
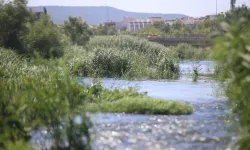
34 33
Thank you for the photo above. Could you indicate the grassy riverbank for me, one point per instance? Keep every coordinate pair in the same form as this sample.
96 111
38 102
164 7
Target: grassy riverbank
38 93
142 105
130 57
131 102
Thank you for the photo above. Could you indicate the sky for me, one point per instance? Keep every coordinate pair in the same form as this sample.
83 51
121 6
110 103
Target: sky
193 8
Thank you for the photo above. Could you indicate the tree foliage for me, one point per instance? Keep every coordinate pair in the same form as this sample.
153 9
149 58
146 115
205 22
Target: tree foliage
13 17
77 30
43 38
232 52
33 98
148 31
232 4
104 30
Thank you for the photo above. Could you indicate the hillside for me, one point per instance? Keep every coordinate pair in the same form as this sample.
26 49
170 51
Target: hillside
96 15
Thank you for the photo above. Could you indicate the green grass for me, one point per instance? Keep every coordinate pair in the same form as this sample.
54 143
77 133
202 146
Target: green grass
38 96
188 52
123 57
130 101
142 105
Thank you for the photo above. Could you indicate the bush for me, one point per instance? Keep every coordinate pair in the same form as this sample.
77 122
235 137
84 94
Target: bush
35 97
13 17
109 63
77 30
43 38
125 57
232 52
188 52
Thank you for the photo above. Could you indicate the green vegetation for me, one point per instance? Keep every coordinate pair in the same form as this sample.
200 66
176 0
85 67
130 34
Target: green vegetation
77 30
129 101
123 57
142 105
33 97
205 29
13 17
43 38
38 90
104 30
232 52
148 31
45 96
188 52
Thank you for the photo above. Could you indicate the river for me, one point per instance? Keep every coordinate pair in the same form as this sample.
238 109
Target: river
208 128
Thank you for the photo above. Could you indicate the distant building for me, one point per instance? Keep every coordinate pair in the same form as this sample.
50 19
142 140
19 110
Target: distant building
138 24
122 25
110 24
156 19
170 22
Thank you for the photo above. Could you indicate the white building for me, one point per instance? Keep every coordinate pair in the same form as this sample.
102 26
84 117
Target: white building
138 24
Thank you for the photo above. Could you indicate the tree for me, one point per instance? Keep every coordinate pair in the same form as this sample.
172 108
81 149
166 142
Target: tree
100 30
13 17
45 10
1 2
43 38
165 28
77 30
104 30
237 12
232 53
177 25
233 4
111 31
148 31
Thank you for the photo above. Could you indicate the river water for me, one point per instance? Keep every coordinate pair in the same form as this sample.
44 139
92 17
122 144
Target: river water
208 128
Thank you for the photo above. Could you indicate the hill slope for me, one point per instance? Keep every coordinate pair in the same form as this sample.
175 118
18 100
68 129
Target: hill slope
96 15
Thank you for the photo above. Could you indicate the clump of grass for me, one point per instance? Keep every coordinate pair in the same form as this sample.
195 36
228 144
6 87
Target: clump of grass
188 52
130 101
123 57
142 105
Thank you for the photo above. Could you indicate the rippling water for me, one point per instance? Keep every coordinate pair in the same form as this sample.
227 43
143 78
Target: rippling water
206 129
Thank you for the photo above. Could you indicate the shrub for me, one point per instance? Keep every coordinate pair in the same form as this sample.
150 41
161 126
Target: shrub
188 52
13 17
109 63
43 38
77 30
232 52
35 97
123 56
